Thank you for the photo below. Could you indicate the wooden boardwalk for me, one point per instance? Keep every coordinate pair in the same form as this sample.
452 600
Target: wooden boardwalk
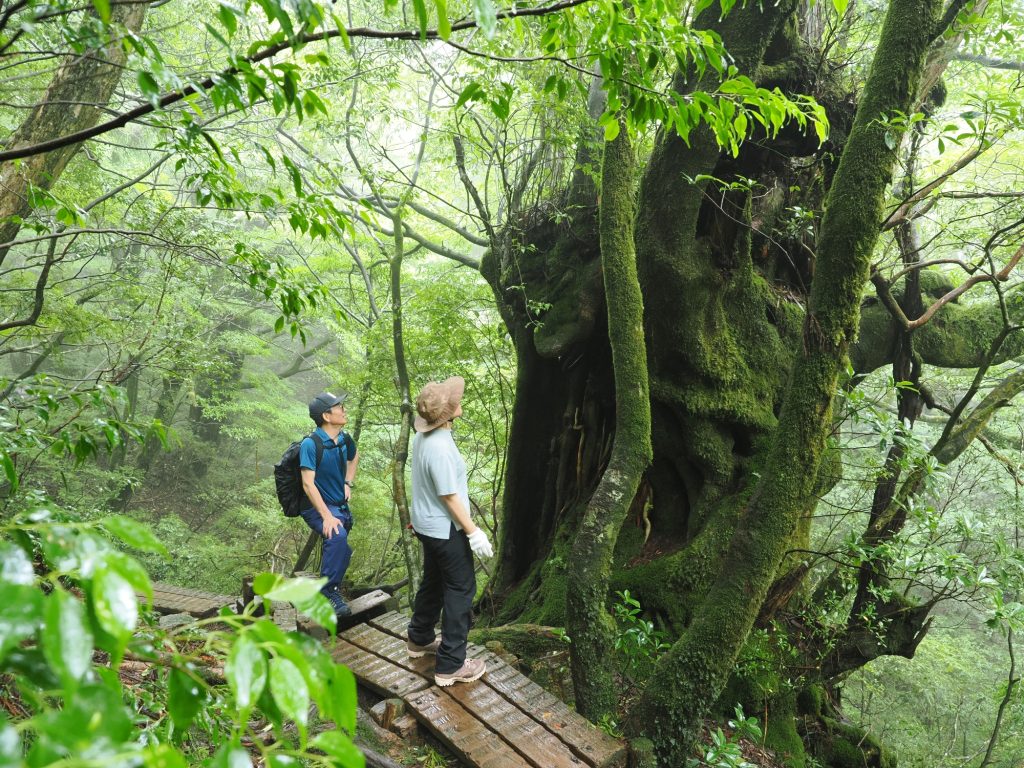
503 720
168 598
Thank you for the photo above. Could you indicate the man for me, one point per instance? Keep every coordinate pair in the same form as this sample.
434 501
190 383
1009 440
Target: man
441 519
328 486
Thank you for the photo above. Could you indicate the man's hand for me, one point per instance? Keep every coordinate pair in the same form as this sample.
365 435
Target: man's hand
480 545
331 526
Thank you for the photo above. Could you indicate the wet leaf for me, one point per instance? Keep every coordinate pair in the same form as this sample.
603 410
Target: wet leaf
67 640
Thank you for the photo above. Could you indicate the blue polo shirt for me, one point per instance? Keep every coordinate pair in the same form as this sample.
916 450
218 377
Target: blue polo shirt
330 475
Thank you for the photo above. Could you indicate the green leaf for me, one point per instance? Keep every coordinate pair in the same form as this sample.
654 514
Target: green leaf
319 610
486 17
20 614
93 726
132 571
226 14
10 745
339 697
275 760
246 670
114 603
339 746
290 691
15 567
840 6
288 590
185 698
9 472
149 87
471 91
133 533
163 756
611 130
67 640
420 8
231 756
103 9
444 25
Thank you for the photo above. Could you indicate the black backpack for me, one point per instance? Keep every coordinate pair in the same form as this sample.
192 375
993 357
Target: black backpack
288 474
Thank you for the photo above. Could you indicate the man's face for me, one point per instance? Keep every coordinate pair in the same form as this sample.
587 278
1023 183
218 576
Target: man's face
336 415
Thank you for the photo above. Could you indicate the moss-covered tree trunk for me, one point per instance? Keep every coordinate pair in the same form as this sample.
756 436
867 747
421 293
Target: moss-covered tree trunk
746 344
590 626
691 675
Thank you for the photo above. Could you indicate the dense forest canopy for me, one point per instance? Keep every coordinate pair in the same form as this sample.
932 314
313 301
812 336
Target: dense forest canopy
735 289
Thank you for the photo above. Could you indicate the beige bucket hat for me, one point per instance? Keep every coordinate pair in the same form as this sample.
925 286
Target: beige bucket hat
436 403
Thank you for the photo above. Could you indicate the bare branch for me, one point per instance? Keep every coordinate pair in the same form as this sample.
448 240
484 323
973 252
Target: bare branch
40 289
988 61
905 209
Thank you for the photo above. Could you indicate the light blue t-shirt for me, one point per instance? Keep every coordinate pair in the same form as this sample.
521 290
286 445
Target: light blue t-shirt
437 470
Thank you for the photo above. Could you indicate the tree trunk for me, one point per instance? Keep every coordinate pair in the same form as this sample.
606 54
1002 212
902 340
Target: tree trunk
87 81
591 628
690 676
401 498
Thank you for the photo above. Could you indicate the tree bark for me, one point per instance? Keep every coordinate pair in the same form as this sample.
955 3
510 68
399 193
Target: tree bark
591 628
86 80
691 675
401 451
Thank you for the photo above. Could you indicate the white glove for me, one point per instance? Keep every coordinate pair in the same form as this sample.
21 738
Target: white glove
479 544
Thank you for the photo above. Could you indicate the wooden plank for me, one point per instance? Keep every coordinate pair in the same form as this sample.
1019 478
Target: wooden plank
527 736
366 607
385 636
377 673
168 598
514 719
584 738
467 737
393 623
285 616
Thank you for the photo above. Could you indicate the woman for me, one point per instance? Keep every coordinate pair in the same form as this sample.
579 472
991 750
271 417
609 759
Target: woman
441 519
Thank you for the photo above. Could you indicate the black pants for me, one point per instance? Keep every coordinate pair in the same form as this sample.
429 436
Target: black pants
449 583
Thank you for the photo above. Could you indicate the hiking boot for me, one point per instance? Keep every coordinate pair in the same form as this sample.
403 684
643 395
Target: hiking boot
415 651
472 670
341 609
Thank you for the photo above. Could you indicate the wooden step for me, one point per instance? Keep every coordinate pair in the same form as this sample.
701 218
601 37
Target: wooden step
504 719
168 598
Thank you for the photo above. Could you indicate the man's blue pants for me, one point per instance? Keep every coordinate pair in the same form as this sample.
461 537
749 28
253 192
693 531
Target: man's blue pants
337 552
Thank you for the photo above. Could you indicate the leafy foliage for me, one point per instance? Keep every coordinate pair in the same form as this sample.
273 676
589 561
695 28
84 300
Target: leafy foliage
637 641
70 615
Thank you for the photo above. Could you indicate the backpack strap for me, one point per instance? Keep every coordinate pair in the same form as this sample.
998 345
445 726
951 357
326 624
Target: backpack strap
319 443
341 444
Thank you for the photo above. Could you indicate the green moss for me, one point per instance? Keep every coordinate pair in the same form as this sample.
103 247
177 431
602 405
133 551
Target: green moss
669 586
527 641
842 745
810 700
641 754
780 734
630 542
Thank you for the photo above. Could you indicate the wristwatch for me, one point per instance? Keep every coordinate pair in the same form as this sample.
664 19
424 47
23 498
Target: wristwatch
350 484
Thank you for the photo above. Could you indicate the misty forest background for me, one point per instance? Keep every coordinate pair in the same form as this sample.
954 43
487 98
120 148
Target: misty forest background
176 287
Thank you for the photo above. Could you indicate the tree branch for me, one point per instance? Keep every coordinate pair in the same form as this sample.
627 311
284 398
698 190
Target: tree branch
460 163
267 53
40 290
988 61
903 212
